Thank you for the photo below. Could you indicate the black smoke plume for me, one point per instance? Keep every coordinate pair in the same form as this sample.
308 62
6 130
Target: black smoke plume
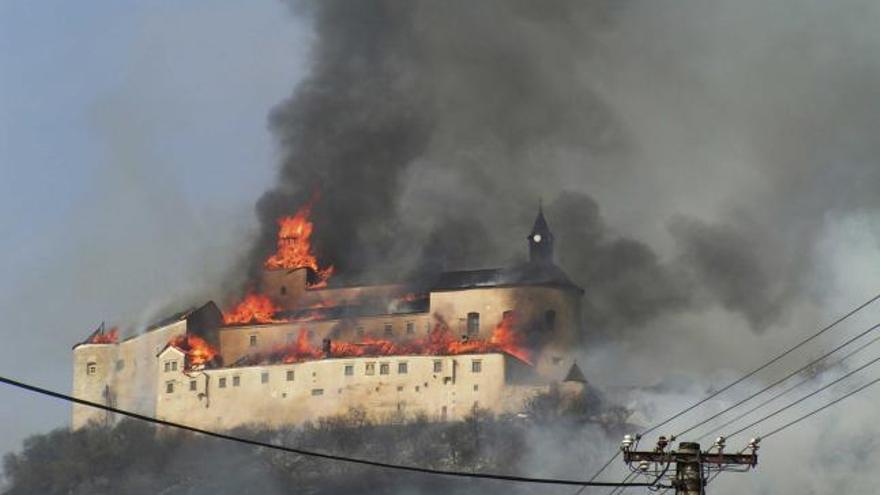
433 129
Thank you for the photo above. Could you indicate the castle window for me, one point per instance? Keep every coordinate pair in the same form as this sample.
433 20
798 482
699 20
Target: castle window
317 391
173 365
169 388
192 385
384 369
360 331
349 369
476 388
550 320
389 330
236 381
290 375
410 328
438 366
91 368
283 290
222 382
120 365
473 323
264 378
476 366
370 368
167 366
400 388
401 368
443 413
253 340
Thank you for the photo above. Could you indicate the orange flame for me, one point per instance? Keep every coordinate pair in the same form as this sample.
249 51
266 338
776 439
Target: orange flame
294 246
198 351
254 308
439 342
110 337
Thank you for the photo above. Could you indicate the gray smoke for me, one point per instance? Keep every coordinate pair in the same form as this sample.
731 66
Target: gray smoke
433 130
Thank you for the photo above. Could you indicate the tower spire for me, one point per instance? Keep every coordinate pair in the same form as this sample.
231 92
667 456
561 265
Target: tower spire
540 239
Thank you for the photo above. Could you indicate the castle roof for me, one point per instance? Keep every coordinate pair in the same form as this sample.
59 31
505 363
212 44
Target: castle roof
528 273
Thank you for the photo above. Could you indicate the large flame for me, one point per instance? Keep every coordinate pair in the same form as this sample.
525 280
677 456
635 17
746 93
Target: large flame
198 351
254 308
294 246
109 337
439 342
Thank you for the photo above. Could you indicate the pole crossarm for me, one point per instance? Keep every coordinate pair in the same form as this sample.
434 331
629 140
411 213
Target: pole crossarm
705 458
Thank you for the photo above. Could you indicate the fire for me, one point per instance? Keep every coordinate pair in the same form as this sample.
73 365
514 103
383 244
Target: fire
439 342
198 351
508 339
254 308
294 246
110 337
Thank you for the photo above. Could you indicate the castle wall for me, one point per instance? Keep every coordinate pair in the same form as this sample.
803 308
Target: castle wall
125 376
532 304
92 375
235 342
296 393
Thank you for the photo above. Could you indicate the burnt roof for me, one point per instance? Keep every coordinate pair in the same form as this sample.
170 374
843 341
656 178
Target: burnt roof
529 273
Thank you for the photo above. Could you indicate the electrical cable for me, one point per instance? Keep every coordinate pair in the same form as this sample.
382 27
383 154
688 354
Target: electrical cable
765 365
619 489
785 392
826 406
293 450
811 394
747 376
783 379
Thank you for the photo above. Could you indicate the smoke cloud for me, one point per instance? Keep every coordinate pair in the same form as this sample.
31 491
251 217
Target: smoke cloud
718 140
708 168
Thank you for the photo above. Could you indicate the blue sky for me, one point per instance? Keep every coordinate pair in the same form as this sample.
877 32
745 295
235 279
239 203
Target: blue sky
133 145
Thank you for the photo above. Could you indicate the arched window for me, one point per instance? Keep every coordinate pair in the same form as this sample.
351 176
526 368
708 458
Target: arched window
473 323
550 320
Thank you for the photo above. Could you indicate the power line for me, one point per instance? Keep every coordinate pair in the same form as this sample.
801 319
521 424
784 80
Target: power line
811 394
597 473
620 489
748 375
784 392
826 406
765 365
783 379
309 453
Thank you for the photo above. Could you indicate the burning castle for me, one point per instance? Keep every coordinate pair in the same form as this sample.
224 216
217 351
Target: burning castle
299 349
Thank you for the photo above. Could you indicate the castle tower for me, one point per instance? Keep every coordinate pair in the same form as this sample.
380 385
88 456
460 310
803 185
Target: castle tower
541 240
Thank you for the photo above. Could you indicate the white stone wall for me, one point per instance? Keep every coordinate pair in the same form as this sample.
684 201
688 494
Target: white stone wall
213 399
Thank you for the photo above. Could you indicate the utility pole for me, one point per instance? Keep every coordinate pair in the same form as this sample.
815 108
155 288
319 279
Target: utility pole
692 465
